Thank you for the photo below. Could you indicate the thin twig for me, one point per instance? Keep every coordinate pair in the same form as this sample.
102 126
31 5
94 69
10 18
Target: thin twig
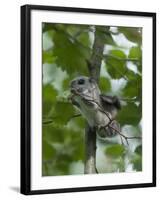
110 120
125 137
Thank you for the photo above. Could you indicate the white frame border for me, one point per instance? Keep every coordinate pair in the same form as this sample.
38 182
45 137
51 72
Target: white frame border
43 183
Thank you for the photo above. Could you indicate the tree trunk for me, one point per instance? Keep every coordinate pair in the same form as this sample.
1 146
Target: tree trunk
90 133
90 144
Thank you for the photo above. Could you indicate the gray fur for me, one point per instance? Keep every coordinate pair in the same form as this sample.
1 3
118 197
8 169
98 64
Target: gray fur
98 109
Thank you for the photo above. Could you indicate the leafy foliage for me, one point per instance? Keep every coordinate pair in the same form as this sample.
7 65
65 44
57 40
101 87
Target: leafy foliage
115 150
128 114
132 34
67 48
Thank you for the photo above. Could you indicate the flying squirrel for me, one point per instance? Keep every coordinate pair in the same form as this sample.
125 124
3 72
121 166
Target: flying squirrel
98 109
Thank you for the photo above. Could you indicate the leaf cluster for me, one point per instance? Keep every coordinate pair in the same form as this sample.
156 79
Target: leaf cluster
67 49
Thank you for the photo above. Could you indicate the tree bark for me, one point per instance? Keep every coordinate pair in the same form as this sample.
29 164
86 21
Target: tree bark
90 133
97 54
90 144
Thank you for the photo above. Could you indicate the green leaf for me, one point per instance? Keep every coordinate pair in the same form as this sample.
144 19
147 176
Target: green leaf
139 65
47 27
116 64
48 151
75 29
70 56
135 53
105 36
115 150
132 34
48 57
66 83
63 112
113 71
133 87
131 75
137 162
136 159
49 98
129 114
72 29
80 122
104 84
138 150
118 54
52 133
108 40
68 145
84 39
49 93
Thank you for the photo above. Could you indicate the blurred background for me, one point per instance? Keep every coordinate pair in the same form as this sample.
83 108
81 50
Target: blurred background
66 50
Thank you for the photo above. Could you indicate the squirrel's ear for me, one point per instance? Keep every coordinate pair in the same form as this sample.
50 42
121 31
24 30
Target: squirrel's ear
112 100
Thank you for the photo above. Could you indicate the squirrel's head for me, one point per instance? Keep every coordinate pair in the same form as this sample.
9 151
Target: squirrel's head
84 85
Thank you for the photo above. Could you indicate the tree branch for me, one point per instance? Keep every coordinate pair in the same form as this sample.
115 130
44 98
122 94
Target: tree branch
90 150
97 55
94 66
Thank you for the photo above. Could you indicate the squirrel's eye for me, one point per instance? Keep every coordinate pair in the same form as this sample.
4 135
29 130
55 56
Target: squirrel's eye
81 81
